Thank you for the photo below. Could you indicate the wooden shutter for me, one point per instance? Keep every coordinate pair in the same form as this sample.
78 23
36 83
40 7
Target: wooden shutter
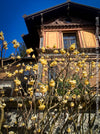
52 38
87 39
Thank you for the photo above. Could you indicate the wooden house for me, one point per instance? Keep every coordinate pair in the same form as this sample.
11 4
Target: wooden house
63 25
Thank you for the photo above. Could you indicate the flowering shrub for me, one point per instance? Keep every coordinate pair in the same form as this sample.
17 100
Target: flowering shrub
63 98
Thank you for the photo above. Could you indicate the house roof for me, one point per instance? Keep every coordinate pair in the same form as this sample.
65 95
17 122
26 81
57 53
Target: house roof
59 6
83 11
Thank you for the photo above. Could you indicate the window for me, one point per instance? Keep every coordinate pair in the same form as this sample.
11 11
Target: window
41 42
68 39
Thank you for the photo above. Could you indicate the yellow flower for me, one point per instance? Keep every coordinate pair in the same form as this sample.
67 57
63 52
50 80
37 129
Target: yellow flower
30 50
25 78
23 64
62 51
74 96
86 92
78 96
72 82
55 51
35 67
16 45
12 57
91 76
30 89
72 47
80 106
9 74
16 71
41 107
18 57
20 104
40 101
54 63
11 99
79 64
47 46
52 83
33 56
11 132
43 61
64 101
84 74
18 65
5 126
30 102
68 93
39 130
67 97
5 43
76 52
17 82
1 36
33 117
77 69
45 69
23 124
67 54
31 82
68 130
83 54
28 68
72 104
21 71
16 89
43 49
86 82
14 41
54 46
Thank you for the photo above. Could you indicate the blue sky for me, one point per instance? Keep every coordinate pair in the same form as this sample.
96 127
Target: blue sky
11 12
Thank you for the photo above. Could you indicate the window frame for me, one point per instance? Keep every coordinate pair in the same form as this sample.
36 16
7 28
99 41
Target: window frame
69 33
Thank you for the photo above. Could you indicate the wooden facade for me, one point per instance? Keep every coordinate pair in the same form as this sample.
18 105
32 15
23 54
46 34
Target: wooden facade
67 20
52 24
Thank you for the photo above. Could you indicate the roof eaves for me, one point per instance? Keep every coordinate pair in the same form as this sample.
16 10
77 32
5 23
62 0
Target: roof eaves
56 7
46 10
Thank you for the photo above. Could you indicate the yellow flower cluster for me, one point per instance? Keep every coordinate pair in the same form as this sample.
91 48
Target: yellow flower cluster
43 49
28 68
43 61
72 47
84 74
16 44
1 36
17 82
35 67
30 50
33 56
43 88
72 82
41 107
54 63
62 51
52 83
5 45
55 51
31 82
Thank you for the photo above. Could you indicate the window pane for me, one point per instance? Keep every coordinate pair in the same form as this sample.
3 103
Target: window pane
69 39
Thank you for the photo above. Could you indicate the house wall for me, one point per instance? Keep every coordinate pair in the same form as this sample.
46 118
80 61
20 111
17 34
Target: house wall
85 38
